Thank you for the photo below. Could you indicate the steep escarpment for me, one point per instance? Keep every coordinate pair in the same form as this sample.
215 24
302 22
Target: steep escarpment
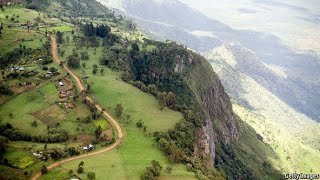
185 82
206 140
220 124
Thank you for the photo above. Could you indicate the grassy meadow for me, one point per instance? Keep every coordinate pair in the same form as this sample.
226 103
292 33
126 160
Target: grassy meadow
138 148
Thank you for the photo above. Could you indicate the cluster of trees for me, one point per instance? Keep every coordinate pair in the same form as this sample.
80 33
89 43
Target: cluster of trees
44 169
73 61
227 162
54 135
59 37
90 30
118 110
86 41
178 143
153 171
80 167
87 8
36 5
14 56
5 89
17 54
84 56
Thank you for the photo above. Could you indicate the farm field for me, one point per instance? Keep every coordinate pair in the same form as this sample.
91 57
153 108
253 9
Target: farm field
138 148
43 109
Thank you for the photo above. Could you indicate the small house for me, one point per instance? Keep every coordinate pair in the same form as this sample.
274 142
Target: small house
61 83
62 94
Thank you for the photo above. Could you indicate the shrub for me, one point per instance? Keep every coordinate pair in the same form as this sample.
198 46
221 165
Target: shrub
91 175
80 170
139 124
44 169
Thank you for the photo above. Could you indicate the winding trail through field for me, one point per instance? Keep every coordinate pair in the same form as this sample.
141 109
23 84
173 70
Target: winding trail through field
105 114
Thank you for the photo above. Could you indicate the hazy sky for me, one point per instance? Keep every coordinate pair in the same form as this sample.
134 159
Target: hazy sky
296 22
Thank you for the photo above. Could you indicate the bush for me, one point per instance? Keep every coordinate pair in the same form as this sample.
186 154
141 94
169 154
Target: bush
118 110
91 175
139 124
34 123
80 169
5 90
153 171
53 69
44 169
73 61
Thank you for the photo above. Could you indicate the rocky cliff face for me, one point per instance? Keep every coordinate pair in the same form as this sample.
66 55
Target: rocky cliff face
220 125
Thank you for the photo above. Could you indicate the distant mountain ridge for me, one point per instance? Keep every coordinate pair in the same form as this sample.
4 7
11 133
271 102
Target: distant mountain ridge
268 48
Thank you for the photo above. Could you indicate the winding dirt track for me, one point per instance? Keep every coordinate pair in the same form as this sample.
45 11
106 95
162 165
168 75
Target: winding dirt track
105 114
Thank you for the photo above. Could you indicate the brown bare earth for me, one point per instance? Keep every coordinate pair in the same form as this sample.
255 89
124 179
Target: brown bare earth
105 114
85 138
107 133
50 115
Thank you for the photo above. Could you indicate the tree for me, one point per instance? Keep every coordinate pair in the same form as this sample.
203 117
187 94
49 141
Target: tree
139 124
73 61
44 169
101 71
53 69
169 169
7 16
171 99
135 47
80 169
70 172
147 176
153 171
118 110
84 65
84 55
162 100
81 164
59 37
88 87
98 132
91 175
34 123
94 71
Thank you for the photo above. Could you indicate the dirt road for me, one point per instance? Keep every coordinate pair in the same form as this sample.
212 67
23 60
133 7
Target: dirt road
105 114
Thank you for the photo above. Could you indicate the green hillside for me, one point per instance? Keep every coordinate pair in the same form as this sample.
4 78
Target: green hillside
177 120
